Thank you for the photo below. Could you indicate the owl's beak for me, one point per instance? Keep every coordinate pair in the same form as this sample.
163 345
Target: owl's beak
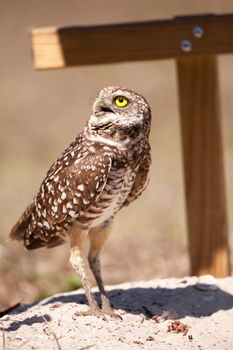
101 106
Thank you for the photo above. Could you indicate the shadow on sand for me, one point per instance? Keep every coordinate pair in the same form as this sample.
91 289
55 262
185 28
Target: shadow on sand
177 303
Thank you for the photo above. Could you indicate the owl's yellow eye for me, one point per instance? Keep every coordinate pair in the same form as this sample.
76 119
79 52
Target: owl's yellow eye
121 101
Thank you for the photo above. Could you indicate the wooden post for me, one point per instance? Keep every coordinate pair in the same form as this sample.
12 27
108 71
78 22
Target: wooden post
59 47
203 165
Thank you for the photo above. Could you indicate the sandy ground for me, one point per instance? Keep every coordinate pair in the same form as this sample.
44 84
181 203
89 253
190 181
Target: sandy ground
187 313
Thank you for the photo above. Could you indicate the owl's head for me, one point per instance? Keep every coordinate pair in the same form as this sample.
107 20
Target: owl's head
120 109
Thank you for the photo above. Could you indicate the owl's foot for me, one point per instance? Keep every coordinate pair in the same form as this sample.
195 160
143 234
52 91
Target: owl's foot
105 311
108 310
92 311
112 313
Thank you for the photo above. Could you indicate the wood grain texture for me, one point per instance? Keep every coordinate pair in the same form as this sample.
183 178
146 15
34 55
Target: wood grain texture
57 47
203 166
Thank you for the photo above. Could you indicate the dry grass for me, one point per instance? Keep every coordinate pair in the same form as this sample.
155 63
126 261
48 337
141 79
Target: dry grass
3 337
52 332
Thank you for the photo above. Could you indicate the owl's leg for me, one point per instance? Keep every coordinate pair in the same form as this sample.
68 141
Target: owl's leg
98 236
77 237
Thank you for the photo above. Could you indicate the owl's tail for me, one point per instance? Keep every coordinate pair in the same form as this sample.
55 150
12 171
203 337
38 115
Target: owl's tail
19 229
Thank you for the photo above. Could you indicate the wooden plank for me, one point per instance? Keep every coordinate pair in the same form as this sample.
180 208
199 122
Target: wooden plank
203 166
57 47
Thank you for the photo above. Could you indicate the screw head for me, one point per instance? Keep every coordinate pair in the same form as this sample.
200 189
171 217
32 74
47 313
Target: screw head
186 45
198 32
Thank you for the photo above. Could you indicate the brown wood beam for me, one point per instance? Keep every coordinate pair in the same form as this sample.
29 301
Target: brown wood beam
58 47
203 166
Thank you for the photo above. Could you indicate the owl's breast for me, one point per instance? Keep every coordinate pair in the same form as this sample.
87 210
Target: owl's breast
112 198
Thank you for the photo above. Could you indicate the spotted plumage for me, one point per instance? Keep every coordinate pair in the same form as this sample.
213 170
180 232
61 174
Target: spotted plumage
105 168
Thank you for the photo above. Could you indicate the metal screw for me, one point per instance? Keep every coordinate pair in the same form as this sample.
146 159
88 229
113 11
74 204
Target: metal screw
198 32
186 45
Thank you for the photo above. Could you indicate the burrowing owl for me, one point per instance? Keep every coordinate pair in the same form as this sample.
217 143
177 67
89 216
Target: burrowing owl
105 168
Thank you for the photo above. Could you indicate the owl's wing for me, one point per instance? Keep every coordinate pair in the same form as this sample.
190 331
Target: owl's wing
63 196
141 180
76 187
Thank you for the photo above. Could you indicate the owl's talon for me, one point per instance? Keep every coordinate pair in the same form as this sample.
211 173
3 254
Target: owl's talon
112 314
108 310
92 312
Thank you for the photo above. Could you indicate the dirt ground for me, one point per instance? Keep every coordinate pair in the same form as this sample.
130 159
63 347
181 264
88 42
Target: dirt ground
187 313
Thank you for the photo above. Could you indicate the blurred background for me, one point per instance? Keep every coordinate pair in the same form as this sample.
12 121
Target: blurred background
42 112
